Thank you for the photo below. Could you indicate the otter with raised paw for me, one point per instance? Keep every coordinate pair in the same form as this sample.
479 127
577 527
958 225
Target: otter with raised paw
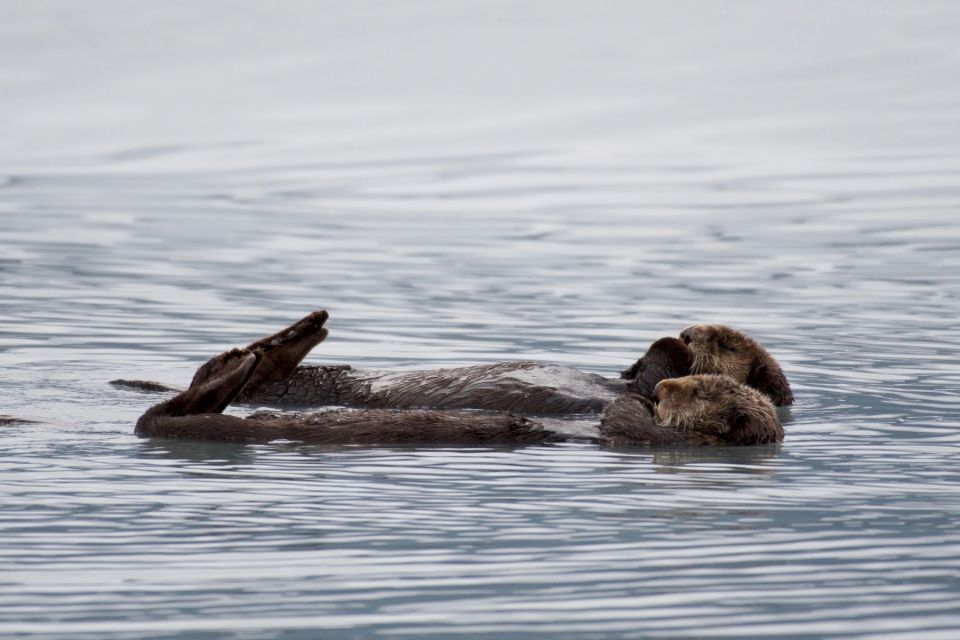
700 409
524 387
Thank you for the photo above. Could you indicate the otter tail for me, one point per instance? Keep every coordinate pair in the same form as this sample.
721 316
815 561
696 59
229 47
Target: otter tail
143 385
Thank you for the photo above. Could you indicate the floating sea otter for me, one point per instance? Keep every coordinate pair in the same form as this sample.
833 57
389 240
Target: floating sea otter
696 409
523 387
719 349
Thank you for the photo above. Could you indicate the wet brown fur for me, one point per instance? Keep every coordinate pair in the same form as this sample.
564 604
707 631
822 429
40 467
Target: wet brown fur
692 410
505 386
630 420
666 358
724 350
195 414
363 426
499 387
718 410
496 387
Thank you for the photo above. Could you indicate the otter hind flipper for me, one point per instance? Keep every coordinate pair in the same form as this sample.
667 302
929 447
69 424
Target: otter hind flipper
223 379
214 395
281 352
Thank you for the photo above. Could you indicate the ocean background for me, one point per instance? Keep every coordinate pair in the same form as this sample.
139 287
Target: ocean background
472 182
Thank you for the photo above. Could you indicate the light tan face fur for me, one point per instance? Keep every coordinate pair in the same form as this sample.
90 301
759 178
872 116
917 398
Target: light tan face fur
711 403
720 349
682 402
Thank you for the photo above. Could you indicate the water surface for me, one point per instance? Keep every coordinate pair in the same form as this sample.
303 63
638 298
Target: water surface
463 184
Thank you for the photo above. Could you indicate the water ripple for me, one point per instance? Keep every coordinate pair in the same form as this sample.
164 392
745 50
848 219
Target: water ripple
761 168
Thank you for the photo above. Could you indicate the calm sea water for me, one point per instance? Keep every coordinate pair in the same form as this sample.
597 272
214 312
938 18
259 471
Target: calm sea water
466 183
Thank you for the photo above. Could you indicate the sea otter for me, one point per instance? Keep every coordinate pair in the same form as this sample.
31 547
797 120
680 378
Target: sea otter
707 409
524 387
703 410
720 349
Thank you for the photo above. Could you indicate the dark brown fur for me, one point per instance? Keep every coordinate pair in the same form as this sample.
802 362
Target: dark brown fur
526 387
692 410
630 420
364 426
720 349
716 409
666 358
523 387
195 414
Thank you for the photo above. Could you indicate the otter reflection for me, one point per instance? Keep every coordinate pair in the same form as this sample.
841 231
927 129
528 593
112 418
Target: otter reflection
698 409
523 387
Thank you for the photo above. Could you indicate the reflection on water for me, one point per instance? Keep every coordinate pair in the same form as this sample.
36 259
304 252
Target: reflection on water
461 185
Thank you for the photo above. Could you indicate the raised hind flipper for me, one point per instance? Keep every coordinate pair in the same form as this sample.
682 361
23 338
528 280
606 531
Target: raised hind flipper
280 354
224 378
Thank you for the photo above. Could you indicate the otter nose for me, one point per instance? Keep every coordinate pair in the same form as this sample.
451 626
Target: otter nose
686 335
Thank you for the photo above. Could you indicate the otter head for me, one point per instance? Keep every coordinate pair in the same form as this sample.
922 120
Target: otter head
718 409
666 358
720 349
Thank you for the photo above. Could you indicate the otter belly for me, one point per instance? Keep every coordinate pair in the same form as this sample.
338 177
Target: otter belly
521 387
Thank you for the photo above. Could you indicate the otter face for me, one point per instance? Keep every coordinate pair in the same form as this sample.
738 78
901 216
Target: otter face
719 409
723 350
683 402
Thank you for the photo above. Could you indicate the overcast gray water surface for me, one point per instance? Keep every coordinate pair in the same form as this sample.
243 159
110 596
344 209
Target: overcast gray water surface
462 183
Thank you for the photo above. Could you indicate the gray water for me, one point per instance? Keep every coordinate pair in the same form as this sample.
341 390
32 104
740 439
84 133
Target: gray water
464 183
